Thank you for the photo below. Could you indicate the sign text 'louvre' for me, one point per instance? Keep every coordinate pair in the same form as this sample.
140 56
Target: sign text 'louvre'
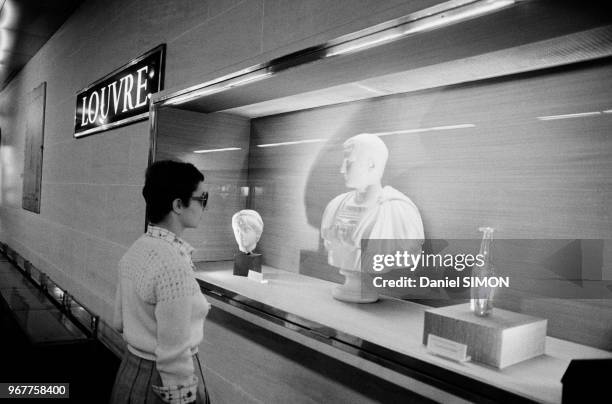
121 97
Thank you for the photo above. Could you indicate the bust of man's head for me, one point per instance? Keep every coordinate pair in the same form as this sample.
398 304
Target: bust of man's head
248 226
365 157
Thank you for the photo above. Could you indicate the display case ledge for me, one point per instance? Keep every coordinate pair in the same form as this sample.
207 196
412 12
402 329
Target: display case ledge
383 338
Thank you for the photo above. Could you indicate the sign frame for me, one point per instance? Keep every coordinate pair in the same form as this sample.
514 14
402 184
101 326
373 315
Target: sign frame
126 121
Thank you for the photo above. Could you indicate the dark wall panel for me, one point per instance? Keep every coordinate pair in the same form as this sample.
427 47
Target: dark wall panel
34 141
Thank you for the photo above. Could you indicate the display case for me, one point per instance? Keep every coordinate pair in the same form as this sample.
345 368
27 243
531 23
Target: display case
494 116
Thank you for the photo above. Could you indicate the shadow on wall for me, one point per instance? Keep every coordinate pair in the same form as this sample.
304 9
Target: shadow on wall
325 180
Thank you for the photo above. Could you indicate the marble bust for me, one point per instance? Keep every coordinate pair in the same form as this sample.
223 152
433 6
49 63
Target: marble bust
367 211
248 226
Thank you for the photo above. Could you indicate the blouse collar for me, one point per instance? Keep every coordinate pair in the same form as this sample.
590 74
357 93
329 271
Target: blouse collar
165 234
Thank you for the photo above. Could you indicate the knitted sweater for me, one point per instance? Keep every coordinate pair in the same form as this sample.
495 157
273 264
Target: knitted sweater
159 306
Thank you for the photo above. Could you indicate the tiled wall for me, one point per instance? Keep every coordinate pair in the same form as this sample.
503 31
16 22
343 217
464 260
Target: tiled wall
91 208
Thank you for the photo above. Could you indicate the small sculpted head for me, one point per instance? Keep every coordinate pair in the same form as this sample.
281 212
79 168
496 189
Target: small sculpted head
248 226
365 157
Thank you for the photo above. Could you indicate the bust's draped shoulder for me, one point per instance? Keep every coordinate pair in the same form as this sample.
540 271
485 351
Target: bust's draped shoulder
397 217
394 221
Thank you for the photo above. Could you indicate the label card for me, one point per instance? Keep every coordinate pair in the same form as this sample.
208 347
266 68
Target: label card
447 348
256 276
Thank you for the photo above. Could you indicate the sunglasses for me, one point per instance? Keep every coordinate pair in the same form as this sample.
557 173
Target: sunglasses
202 199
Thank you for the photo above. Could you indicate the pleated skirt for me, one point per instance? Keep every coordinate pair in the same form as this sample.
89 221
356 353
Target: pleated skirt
136 375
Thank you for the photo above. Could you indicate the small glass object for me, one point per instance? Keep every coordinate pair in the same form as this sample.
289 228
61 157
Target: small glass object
482 292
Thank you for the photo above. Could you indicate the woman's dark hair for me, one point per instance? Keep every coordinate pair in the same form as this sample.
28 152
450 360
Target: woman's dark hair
165 181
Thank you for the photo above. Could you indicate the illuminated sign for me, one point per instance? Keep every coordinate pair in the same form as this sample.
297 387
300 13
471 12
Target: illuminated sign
121 97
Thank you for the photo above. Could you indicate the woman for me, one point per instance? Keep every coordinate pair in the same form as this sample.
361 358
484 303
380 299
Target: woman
159 307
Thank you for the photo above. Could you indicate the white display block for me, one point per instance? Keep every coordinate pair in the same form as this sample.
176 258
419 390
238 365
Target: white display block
500 339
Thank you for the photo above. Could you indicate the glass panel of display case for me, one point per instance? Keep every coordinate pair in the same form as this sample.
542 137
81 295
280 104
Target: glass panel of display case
510 132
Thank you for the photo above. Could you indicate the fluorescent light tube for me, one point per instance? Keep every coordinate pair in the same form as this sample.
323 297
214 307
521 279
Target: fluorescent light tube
444 18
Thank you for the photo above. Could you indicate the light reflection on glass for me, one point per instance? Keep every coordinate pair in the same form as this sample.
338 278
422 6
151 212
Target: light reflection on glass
217 150
291 143
420 130
568 116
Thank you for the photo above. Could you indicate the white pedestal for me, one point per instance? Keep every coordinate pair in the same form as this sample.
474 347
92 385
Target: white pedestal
501 339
